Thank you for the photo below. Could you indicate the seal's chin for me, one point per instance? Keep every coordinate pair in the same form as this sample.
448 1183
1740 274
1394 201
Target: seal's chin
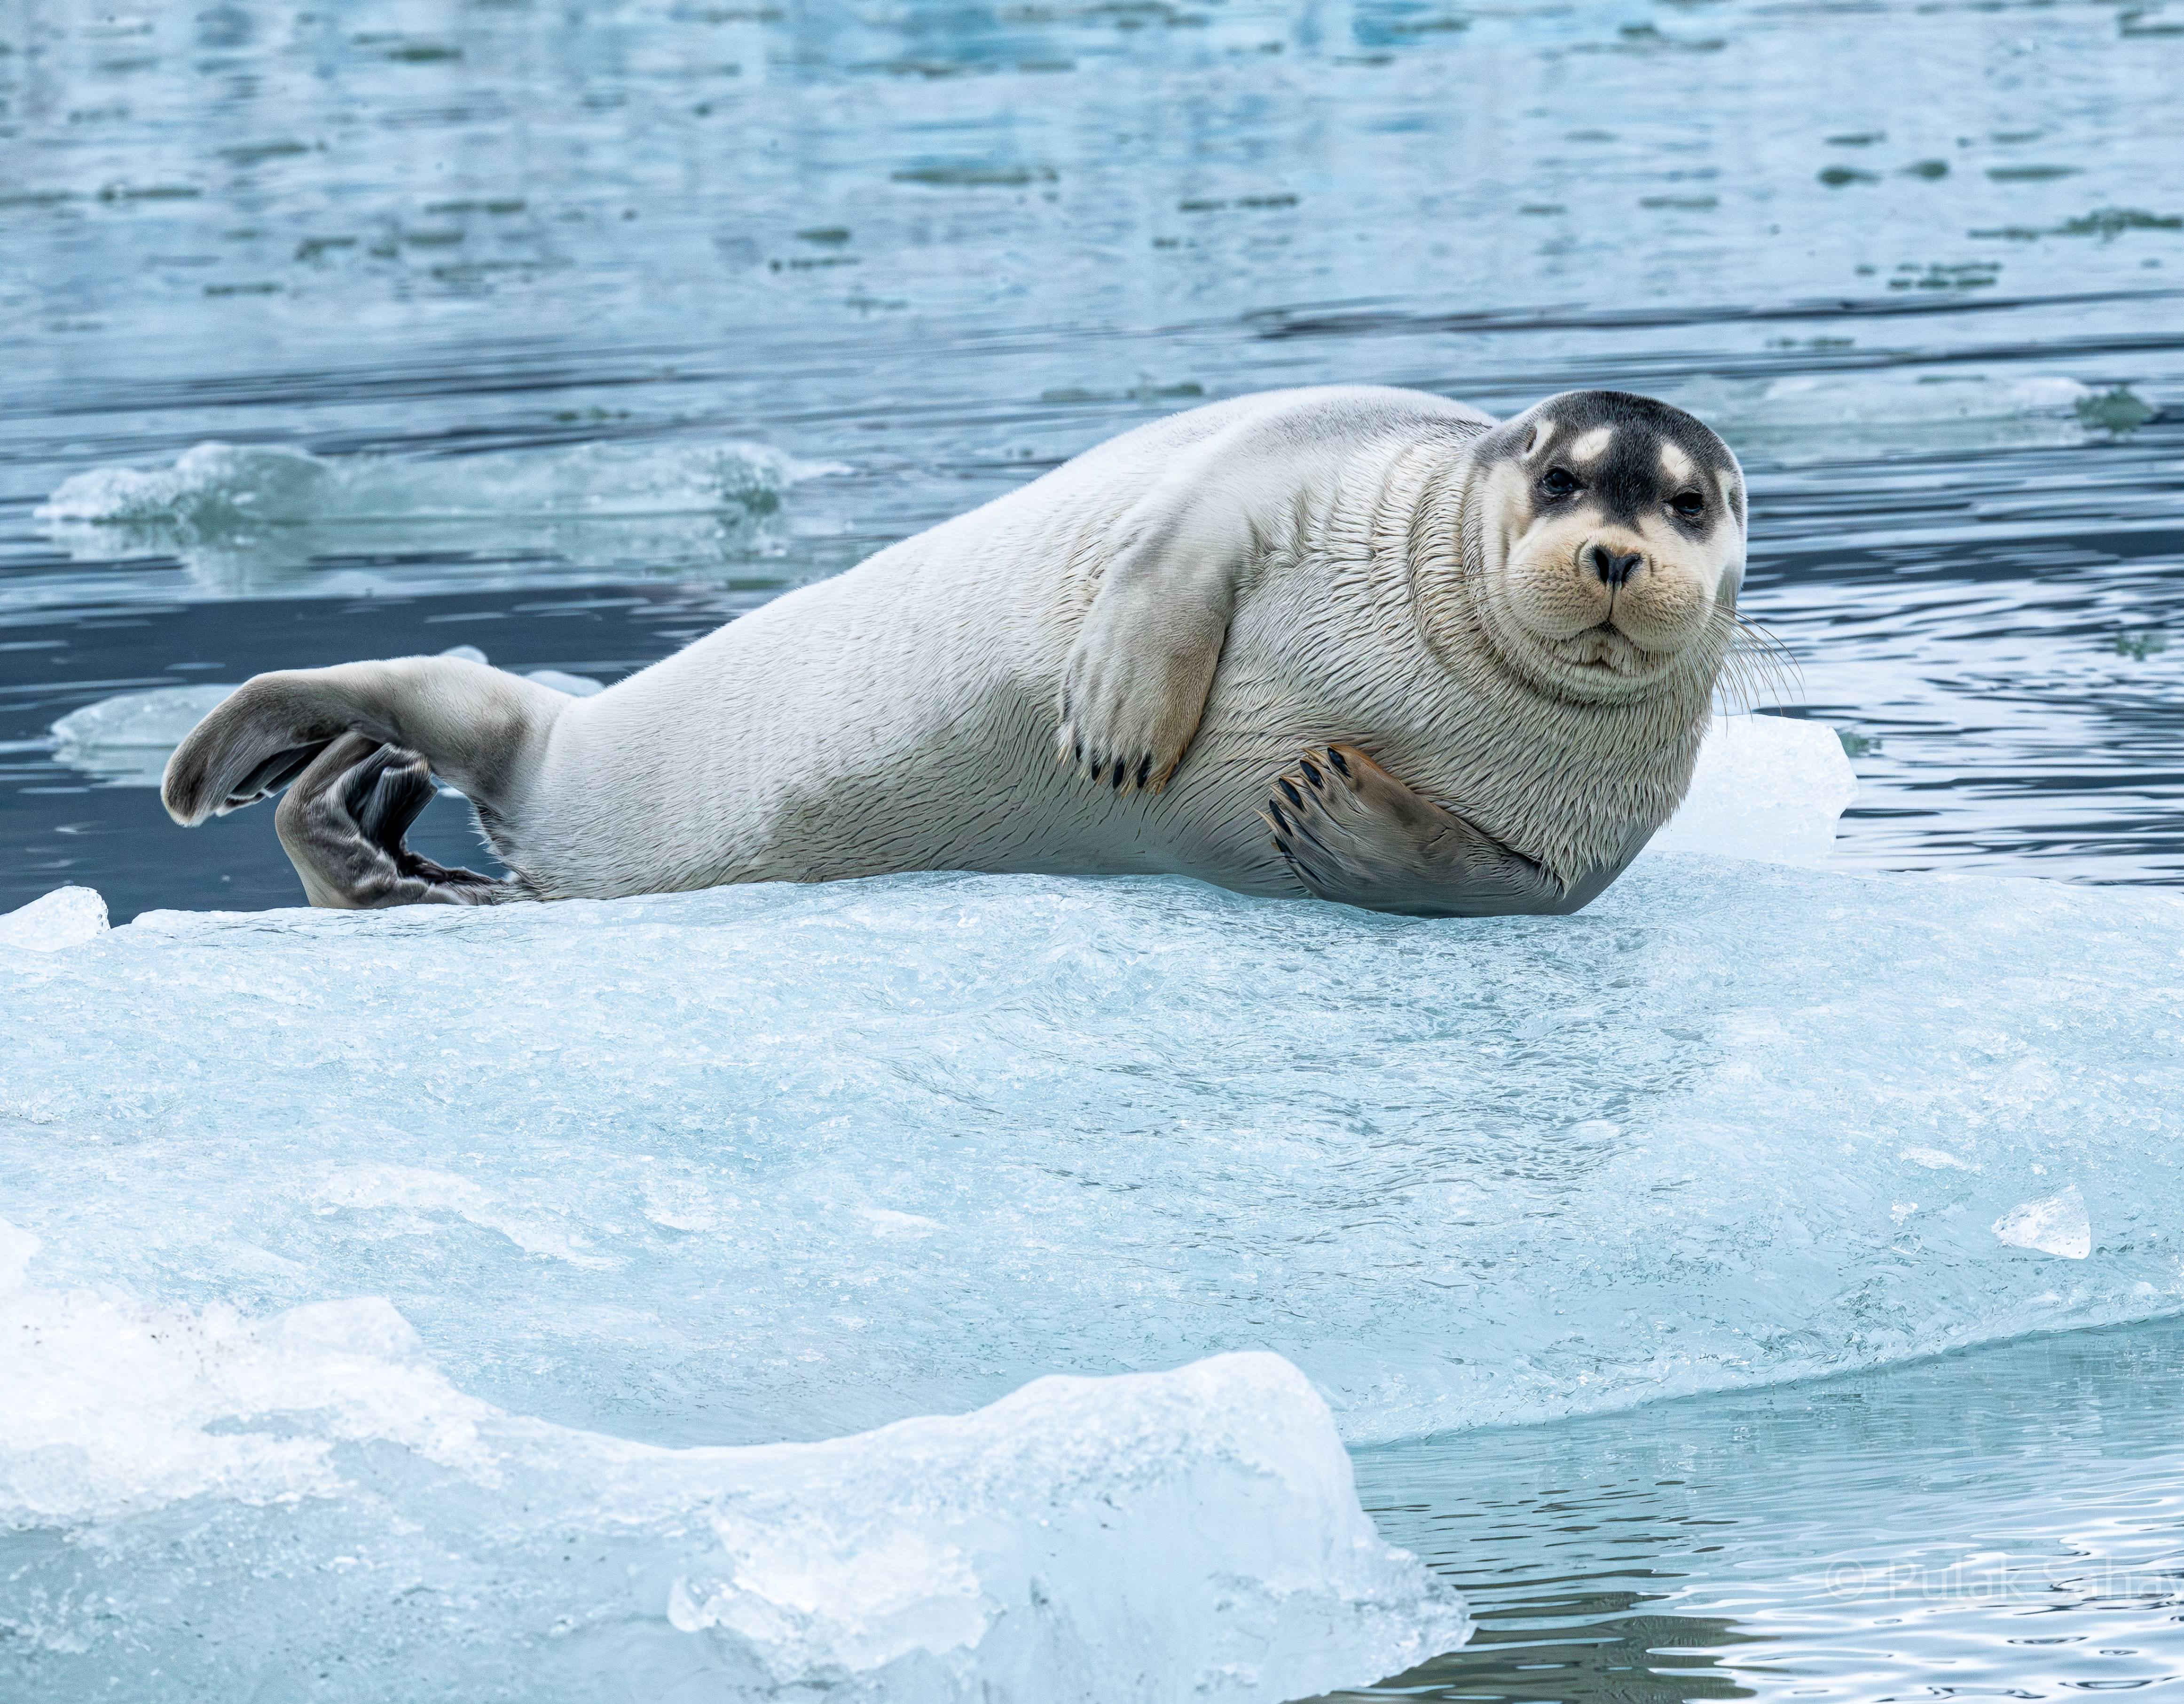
1606 652
1599 664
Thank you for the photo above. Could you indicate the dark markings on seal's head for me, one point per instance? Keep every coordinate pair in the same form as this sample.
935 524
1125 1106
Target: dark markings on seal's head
1613 534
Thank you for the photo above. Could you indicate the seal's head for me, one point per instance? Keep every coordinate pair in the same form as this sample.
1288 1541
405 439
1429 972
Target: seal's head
1610 537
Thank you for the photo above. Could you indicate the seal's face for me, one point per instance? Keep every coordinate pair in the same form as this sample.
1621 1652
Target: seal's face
1613 535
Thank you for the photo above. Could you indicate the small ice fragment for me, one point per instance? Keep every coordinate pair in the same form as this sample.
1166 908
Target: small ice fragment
126 739
2054 1224
66 916
1766 787
575 685
1935 1159
1901 1211
468 653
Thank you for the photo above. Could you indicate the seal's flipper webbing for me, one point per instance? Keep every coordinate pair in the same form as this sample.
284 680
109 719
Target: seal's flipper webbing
1355 834
342 825
480 730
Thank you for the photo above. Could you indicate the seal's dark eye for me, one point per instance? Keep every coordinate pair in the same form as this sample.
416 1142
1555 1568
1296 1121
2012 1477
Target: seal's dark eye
1688 504
1560 481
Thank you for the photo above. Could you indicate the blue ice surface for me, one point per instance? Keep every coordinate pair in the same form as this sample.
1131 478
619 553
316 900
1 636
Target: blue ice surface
413 1258
775 1161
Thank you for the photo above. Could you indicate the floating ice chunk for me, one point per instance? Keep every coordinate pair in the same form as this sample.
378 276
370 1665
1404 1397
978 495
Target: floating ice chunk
127 740
246 517
257 1491
66 916
575 685
466 653
1766 787
237 487
2054 1224
1822 416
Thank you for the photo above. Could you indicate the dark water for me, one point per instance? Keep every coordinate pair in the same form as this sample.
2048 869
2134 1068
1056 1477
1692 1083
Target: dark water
1922 264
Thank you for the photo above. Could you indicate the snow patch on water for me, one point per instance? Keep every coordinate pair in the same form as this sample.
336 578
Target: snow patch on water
1165 1536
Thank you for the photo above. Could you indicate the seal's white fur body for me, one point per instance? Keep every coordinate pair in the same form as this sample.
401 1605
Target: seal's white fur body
902 715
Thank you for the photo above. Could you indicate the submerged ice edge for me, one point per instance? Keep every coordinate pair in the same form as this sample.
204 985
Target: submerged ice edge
1167 1536
125 741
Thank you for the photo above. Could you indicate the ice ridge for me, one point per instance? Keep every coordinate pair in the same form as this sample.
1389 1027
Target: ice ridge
305 1494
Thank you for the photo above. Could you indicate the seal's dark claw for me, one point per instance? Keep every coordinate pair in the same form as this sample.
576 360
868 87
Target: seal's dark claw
1310 773
1144 768
1337 762
1288 790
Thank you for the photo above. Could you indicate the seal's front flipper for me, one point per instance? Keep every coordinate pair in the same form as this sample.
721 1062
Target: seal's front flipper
1136 681
342 825
1353 833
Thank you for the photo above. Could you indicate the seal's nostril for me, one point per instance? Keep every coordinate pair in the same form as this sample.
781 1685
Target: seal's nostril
1612 569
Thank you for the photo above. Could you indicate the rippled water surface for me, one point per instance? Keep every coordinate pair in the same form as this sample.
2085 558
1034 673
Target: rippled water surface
2006 1524
568 333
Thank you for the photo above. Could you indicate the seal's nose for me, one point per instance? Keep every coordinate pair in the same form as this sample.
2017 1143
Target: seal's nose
1614 570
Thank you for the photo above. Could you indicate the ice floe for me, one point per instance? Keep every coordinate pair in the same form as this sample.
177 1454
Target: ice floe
244 516
177 1483
125 740
783 1161
1815 416
1766 787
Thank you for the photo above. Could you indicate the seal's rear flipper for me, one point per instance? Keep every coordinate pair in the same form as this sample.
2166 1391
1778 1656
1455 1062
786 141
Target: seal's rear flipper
342 826
360 743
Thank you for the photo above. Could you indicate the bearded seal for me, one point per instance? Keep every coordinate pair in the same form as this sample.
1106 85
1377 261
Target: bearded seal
1236 628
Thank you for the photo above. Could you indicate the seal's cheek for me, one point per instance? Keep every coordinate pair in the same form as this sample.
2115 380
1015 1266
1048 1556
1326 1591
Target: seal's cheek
1665 608
1670 605
1545 584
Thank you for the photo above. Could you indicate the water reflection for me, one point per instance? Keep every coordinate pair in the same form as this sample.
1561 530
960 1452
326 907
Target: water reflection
2002 1523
